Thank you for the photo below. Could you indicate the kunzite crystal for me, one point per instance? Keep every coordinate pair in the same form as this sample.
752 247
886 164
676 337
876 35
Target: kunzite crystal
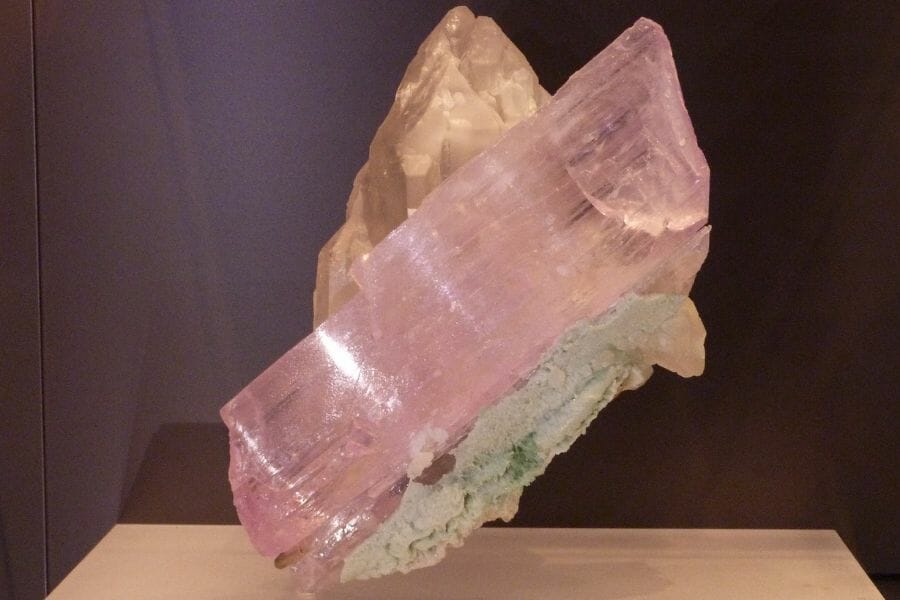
544 276
467 85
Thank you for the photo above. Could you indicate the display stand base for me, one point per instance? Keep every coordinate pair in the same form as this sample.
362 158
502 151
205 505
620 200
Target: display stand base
206 562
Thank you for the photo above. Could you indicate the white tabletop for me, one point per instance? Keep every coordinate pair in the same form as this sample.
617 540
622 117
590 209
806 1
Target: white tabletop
200 562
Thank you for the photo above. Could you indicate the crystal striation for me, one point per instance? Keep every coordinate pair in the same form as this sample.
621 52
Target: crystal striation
467 85
542 277
513 441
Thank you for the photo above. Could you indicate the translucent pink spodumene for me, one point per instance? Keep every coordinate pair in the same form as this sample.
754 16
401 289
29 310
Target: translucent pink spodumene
601 192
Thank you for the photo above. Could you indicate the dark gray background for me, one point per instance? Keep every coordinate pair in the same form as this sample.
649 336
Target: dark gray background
21 431
193 157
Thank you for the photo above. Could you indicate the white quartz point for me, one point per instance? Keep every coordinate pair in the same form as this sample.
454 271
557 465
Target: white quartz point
466 86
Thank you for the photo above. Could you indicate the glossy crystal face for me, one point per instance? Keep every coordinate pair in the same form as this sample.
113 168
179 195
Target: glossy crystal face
600 194
467 86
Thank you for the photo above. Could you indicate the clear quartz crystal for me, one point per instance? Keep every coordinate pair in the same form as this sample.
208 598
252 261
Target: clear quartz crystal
467 85
602 193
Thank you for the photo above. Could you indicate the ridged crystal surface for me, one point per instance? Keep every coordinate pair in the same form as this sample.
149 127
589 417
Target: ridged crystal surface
467 85
601 193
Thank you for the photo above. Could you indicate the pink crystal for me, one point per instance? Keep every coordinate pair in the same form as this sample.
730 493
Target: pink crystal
604 191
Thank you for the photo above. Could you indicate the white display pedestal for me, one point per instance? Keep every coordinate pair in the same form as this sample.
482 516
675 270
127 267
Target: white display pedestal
206 562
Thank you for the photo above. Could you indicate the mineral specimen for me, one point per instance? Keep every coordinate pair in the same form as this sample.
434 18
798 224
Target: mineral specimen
544 276
467 85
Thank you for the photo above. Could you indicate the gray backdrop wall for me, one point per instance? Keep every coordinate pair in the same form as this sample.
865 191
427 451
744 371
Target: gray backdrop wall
193 157
22 566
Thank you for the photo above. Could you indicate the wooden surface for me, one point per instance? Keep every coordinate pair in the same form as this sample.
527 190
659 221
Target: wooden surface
200 562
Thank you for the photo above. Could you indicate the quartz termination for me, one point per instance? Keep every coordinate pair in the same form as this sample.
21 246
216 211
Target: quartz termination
544 276
467 85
